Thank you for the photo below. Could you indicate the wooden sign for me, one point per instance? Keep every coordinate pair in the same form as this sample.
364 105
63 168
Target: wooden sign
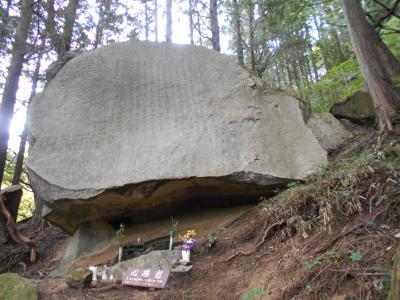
146 277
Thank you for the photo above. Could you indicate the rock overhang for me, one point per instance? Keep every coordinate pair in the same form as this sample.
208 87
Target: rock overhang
179 117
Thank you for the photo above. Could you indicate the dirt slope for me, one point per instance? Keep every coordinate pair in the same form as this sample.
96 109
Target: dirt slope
331 237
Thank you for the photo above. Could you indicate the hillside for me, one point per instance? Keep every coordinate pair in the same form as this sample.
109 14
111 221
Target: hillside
330 237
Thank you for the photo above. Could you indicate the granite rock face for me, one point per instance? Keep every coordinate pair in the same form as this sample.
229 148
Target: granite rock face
140 129
328 130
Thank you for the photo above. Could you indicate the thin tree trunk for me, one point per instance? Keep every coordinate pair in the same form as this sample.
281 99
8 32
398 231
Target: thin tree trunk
155 12
190 12
99 27
69 22
147 19
238 33
21 151
12 81
376 62
169 21
199 28
214 25
250 13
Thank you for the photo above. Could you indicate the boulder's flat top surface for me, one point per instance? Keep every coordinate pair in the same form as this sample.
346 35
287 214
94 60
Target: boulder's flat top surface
135 111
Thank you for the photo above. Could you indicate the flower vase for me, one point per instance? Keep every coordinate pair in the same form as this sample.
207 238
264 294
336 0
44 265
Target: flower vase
186 255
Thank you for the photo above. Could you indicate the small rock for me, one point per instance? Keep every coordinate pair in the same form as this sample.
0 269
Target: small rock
397 235
79 278
181 269
15 287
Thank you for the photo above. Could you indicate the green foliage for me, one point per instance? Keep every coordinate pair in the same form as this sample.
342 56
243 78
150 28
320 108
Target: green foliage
356 256
340 82
27 205
174 225
253 293
392 39
211 240
120 234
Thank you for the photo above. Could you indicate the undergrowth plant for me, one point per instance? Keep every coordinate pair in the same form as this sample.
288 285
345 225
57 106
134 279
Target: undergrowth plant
340 82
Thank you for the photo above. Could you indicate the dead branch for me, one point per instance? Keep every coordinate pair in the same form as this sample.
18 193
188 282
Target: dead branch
258 245
11 223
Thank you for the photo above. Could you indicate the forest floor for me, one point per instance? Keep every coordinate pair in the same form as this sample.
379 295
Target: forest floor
331 237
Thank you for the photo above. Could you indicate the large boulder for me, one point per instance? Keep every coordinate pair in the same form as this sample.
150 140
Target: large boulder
140 129
328 130
15 287
358 108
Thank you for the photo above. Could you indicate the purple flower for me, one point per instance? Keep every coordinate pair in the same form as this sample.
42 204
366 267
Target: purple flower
190 244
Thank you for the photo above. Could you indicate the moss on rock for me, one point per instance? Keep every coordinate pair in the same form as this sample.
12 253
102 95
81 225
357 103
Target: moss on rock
78 278
15 287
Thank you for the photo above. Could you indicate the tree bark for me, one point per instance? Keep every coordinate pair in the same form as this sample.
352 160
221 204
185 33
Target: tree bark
238 33
214 25
12 81
168 36
376 62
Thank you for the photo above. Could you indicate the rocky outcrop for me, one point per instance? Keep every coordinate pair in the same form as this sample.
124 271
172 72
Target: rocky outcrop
358 108
15 287
138 130
328 130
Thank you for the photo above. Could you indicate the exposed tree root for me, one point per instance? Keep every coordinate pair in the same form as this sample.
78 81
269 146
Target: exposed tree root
17 235
258 245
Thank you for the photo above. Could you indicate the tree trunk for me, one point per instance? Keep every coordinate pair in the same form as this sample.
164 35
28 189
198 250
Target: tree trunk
155 12
214 25
168 37
12 81
238 33
61 42
190 12
250 13
69 22
104 10
21 151
146 21
376 62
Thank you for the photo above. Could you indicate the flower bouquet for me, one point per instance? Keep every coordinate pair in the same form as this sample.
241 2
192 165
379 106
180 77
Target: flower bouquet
189 244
